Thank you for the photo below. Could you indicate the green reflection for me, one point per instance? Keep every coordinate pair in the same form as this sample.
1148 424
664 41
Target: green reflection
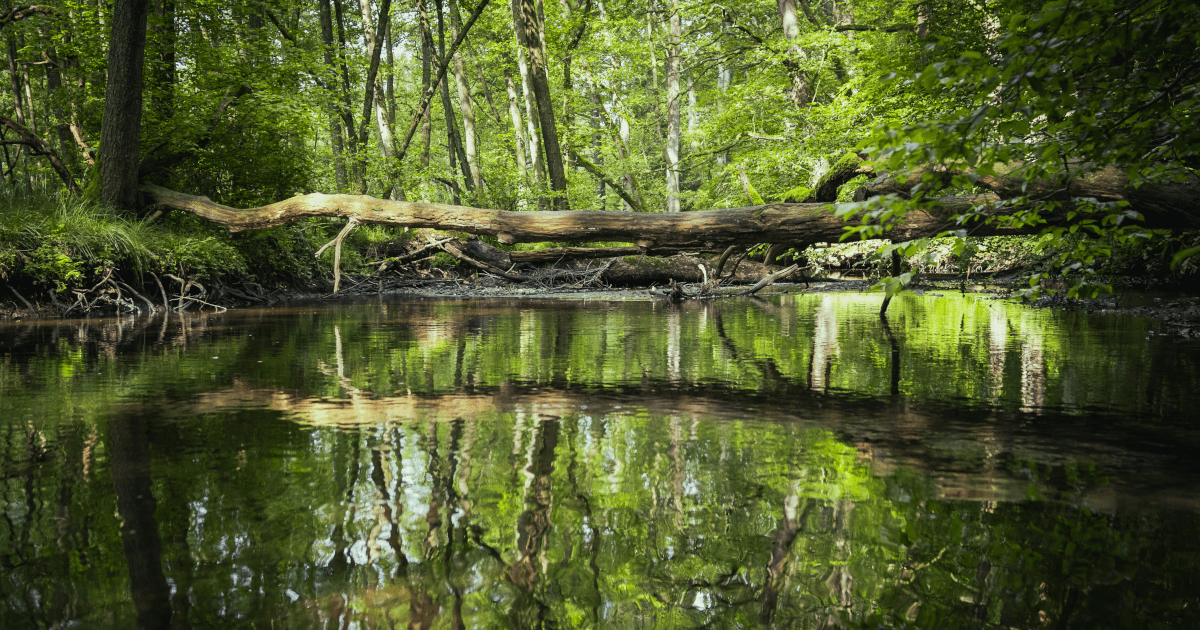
526 464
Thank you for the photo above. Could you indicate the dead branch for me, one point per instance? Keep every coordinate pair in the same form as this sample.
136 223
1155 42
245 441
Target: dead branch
770 279
21 297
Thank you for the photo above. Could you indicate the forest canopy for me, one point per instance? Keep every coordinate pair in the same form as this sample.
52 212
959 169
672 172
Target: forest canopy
1032 116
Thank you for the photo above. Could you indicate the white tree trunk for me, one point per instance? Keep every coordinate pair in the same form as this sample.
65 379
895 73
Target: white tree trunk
674 33
381 118
514 112
465 103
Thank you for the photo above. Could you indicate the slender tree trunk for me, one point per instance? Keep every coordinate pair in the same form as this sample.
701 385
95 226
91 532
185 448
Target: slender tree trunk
28 85
62 123
653 55
373 91
545 106
801 91
163 75
693 114
15 74
674 32
427 52
335 126
514 112
358 165
457 153
598 120
390 43
487 94
724 79
123 105
568 87
465 103
532 120
619 134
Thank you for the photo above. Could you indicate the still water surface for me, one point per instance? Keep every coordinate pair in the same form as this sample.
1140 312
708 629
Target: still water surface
784 463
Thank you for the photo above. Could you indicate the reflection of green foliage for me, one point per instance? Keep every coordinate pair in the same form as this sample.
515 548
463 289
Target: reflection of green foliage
654 513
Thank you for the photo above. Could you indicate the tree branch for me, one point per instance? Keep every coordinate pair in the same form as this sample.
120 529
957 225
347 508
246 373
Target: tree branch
40 147
595 170
895 28
427 97
16 14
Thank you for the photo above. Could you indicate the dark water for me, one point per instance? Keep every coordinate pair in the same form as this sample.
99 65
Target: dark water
781 463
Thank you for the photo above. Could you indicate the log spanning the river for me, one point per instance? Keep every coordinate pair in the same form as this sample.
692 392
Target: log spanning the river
797 224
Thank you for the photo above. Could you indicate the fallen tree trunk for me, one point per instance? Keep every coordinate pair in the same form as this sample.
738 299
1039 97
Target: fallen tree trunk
1170 206
563 254
798 224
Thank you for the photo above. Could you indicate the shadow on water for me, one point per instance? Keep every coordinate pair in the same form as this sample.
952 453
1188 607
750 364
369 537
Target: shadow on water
532 464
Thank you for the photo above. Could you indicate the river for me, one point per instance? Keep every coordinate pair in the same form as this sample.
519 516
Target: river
783 462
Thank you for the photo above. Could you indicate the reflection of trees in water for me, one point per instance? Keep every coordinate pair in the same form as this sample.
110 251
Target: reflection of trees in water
527 570
825 344
673 356
997 349
129 453
1033 366
588 503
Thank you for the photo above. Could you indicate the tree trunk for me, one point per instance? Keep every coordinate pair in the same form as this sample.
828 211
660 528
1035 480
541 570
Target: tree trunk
15 74
693 114
1164 206
357 165
620 138
61 123
163 75
123 105
536 161
724 79
426 78
545 106
390 90
335 126
466 104
458 154
674 32
514 112
372 91
800 92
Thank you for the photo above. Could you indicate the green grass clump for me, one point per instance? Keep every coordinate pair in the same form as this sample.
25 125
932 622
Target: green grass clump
63 241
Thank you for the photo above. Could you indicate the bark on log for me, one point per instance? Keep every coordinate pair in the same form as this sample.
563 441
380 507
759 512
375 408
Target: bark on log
796 224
